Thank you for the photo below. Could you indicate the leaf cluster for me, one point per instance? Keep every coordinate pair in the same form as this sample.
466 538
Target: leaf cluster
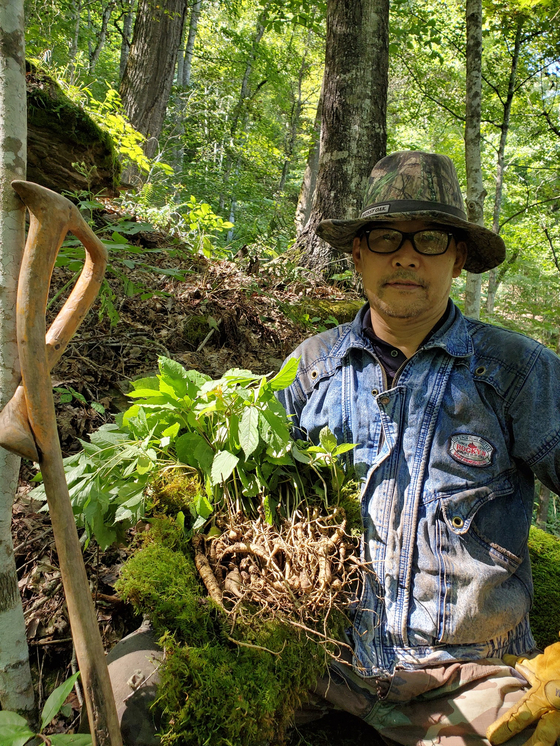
232 433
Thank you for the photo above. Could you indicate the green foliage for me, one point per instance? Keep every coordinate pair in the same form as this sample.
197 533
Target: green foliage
545 561
231 433
14 730
243 681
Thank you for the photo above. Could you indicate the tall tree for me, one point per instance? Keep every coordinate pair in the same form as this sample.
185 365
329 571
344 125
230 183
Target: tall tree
148 76
353 132
475 187
16 690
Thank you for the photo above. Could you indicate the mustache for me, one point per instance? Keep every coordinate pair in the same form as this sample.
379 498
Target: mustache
401 276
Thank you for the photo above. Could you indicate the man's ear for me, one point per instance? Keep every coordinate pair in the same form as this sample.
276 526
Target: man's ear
460 258
357 253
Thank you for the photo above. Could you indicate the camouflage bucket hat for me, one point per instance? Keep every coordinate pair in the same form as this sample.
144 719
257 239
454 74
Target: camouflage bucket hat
413 185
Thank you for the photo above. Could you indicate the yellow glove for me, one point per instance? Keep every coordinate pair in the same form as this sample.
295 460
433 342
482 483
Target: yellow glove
541 701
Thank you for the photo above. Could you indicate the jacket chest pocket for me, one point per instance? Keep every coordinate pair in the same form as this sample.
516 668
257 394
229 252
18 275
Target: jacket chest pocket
491 516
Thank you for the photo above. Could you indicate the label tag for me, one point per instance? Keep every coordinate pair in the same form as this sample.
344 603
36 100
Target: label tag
377 210
470 449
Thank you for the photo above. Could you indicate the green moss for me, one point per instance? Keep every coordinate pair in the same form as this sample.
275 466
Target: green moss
545 559
221 683
50 109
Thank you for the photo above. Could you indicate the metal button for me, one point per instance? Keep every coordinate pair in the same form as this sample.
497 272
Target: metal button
374 392
480 370
314 374
457 521
384 400
394 353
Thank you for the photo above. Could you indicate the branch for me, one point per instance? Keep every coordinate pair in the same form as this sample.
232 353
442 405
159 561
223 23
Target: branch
528 207
546 233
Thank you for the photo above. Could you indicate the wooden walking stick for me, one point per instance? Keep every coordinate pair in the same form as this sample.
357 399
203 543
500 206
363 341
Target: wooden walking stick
28 422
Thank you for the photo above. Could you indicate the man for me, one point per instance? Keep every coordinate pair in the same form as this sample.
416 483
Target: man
452 418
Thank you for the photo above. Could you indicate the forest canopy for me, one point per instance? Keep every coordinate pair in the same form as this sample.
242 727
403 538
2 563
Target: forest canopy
239 123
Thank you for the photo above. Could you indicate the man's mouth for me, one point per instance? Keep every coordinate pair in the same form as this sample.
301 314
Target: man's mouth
403 284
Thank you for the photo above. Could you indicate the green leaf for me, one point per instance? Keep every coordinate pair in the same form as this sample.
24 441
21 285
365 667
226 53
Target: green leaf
151 383
71 739
343 448
286 376
186 446
203 506
57 699
249 430
222 467
14 730
327 439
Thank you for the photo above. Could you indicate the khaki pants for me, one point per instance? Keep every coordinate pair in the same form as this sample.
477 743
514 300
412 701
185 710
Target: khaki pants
451 704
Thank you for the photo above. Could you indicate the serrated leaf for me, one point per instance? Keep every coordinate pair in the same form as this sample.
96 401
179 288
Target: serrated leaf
57 699
286 375
249 430
327 440
222 467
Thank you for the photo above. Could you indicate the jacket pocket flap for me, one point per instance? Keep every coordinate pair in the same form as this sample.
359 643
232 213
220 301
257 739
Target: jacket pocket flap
460 508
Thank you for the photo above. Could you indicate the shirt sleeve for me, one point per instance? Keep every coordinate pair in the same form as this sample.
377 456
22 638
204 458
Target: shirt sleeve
535 420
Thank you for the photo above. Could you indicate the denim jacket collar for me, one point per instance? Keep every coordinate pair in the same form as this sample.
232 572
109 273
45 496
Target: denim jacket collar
452 337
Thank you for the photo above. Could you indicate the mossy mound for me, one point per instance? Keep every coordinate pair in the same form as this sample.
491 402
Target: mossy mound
544 549
224 680
60 135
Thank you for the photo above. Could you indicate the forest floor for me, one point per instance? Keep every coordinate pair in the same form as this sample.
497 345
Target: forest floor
222 314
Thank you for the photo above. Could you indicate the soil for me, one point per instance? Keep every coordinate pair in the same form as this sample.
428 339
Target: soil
222 314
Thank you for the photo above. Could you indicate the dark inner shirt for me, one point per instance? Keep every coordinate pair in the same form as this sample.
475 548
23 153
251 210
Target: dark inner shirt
391 358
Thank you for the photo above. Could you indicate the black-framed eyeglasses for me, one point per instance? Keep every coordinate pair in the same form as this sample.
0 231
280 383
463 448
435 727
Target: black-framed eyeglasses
429 241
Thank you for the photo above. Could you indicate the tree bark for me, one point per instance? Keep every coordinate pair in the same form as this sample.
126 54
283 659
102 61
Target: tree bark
295 119
543 505
493 282
475 187
148 77
353 133
126 38
16 690
231 160
307 191
187 62
106 17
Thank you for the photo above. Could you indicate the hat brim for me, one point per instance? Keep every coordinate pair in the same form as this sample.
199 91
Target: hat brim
485 249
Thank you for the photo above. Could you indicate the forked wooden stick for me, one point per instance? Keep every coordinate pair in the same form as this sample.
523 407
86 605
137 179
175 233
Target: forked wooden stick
28 422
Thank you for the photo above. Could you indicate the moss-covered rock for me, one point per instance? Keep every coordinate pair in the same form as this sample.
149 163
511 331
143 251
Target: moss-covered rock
545 559
226 679
61 134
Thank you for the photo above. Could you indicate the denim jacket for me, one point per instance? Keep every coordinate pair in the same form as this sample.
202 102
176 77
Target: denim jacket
447 458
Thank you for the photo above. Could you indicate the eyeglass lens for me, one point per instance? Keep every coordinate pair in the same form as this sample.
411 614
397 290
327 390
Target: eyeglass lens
387 240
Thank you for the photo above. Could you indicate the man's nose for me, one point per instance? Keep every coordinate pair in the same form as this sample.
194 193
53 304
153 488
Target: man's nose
406 256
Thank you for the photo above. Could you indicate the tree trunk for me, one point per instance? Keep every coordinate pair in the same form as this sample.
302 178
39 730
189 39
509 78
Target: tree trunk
126 37
353 133
238 112
16 690
107 10
500 165
187 62
307 191
148 76
77 8
475 188
543 505
295 118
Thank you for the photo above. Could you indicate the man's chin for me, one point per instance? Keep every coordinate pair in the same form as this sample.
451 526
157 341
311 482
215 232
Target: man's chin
398 311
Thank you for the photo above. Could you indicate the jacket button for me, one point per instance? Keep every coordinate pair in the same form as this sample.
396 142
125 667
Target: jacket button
374 392
314 374
385 400
457 521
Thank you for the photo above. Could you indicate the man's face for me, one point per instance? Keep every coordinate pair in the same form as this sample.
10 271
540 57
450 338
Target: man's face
406 284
